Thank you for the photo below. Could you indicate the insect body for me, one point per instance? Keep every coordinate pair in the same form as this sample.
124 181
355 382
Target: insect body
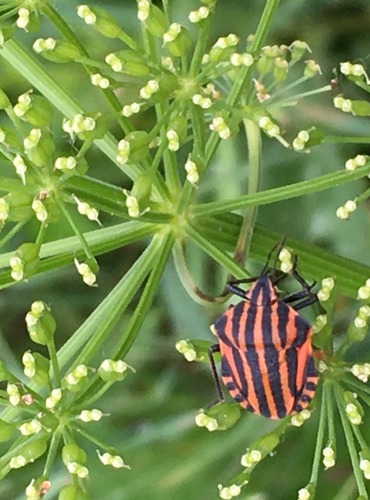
266 352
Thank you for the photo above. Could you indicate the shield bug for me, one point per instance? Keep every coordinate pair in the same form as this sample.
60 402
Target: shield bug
265 345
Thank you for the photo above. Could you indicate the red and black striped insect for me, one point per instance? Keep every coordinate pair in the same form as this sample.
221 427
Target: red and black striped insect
265 344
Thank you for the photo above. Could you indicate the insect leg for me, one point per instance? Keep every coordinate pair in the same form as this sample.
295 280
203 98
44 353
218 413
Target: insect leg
215 348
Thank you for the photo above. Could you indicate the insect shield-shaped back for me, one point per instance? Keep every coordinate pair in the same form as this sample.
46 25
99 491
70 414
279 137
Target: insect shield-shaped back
266 352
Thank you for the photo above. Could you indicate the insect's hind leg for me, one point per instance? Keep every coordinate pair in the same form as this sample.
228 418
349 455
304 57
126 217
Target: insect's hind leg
220 397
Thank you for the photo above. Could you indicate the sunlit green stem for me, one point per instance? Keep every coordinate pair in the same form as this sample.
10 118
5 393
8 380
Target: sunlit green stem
350 444
319 440
254 151
52 453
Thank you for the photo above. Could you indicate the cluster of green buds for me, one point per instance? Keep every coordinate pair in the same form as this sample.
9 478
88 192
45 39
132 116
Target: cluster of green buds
40 425
327 286
219 417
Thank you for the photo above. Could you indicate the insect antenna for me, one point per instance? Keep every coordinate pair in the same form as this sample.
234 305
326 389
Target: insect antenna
277 247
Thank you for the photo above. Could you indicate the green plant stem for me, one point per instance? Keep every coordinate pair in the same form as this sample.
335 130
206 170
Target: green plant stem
109 311
139 315
200 47
292 100
347 139
52 453
330 405
186 279
41 234
254 152
54 363
350 444
75 229
218 255
98 442
147 297
361 441
13 232
319 440
282 193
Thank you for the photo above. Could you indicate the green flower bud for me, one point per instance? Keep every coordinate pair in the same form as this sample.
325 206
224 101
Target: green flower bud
179 125
25 261
128 62
226 414
72 492
100 20
111 370
223 48
134 147
34 109
142 190
86 127
194 349
40 323
72 453
36 367
19 205
77 378
280 69
177 40
6 431
360 108
39 147
34 449
28 20
153 18
298 49
8 138
60 51
4 101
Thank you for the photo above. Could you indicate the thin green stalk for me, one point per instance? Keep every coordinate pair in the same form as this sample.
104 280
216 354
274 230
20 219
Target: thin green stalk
75 229
52 453
301 188
347 139
319 440
14 230
292 100
253 133
288 88
356 384
54 363
146 298
169 158
200 47
41 234
109 311
330 405
363 196
186 279
218 255
93 439
137 318
361 441
351 445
